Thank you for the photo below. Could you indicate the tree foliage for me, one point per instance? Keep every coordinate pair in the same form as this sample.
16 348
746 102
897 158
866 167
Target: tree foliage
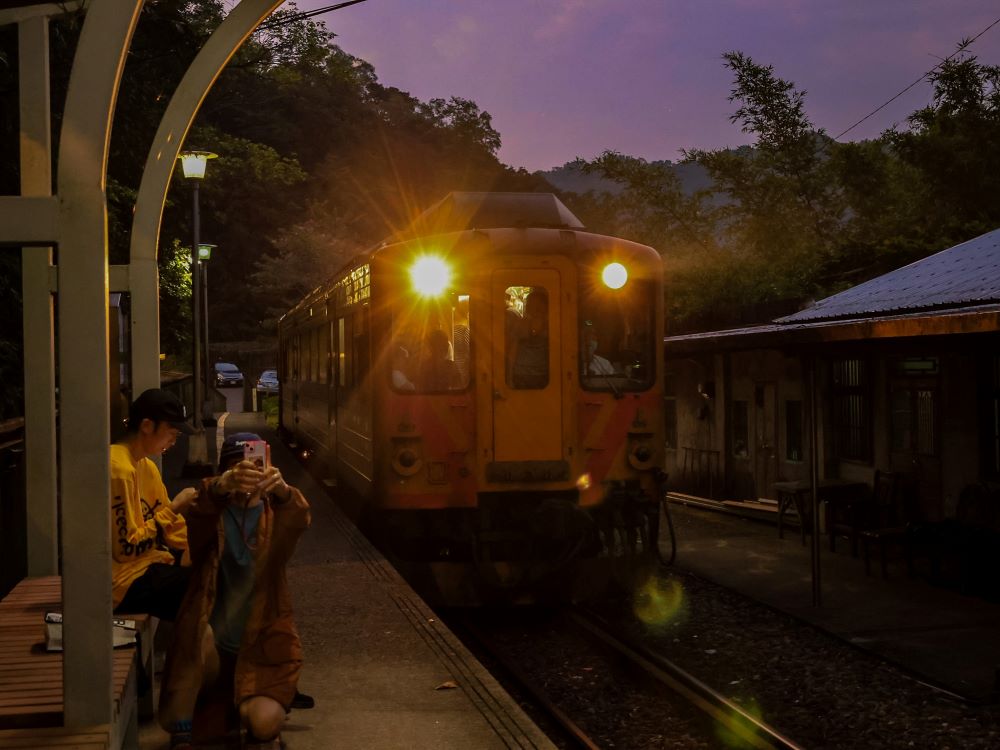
798 216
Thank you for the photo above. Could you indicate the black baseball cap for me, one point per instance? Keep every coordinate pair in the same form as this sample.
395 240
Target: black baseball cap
160 406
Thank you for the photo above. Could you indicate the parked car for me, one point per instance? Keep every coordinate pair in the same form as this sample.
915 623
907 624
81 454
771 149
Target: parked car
227 373
268 381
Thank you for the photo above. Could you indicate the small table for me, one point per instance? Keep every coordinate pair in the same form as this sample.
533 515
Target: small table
795 493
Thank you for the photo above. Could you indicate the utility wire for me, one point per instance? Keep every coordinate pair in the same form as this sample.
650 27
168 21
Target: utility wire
306 14
922 78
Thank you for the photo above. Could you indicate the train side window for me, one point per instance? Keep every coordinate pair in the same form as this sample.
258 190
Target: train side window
617 351
526 335
306 354
431 345
323 350
342 353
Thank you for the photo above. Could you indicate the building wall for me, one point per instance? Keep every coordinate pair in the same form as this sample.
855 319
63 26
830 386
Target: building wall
736 426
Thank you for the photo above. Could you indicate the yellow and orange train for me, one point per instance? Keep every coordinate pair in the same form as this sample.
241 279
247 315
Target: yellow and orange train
489 385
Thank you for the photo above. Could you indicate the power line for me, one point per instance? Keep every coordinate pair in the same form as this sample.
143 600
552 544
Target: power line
306 14
922 78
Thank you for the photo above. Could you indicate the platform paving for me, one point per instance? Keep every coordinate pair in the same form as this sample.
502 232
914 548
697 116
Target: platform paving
949 639
384 672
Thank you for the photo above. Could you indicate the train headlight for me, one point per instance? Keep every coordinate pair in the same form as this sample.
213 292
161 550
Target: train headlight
430 275
614 275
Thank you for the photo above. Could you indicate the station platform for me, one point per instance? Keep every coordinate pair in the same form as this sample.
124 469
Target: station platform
384 671
944 637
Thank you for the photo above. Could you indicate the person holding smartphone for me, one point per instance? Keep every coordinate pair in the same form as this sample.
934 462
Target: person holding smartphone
235 640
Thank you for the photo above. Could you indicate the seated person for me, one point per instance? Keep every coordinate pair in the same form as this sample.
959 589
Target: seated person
438 372
530 367
148 533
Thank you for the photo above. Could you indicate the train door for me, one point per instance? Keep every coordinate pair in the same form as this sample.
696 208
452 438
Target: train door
334 347
526 387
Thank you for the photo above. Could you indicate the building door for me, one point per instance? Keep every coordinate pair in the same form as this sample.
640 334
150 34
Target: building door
765 438
526 388
915 451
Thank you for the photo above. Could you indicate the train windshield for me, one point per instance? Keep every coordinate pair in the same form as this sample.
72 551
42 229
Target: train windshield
616 338
431 345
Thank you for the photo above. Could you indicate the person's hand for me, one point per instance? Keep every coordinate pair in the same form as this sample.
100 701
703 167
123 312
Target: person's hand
274 483
182 501
243 477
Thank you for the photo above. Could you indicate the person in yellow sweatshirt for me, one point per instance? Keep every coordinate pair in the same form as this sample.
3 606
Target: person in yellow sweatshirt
148 533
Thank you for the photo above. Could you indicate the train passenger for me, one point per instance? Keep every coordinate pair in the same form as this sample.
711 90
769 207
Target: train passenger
400 366
596 364
149 535
438 371
531 349
235 641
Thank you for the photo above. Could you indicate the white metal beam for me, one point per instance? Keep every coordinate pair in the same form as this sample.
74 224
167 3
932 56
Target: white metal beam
39 313
42 10
83 359
29 220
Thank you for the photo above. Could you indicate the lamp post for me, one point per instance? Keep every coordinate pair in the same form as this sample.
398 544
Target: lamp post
205 255
194 163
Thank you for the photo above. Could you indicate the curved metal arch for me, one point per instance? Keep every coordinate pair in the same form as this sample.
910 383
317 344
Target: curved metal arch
177 119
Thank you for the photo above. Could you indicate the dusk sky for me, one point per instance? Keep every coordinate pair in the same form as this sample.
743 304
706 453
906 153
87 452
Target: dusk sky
572 78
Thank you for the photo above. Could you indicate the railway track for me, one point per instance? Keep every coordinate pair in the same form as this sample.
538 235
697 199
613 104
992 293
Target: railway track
602 689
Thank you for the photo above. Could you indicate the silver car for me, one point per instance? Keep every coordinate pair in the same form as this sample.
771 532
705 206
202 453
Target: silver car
227 373
268 381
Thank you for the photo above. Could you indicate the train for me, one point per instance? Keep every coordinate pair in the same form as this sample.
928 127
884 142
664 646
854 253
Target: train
486 384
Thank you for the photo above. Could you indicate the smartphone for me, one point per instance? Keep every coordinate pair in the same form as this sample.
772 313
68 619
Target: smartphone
258 452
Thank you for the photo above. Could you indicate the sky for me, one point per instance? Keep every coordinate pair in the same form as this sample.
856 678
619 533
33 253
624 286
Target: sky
572 78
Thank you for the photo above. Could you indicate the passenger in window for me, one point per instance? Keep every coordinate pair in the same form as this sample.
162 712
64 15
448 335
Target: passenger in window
438 371
596 364
400 368
531 353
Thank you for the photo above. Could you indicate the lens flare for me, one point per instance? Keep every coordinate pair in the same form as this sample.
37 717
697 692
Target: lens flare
430 275
614 275
658 602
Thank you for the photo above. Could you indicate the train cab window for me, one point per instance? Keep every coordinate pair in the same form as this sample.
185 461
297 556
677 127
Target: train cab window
526 334
616 338
431 345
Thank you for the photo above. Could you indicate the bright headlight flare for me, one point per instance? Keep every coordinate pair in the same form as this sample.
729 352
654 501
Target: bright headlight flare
430 275
614 275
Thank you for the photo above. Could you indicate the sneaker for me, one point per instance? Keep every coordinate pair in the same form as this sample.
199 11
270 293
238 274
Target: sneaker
181 741
301 700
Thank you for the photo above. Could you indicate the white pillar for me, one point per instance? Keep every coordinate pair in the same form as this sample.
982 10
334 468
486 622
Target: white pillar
39 330
83 359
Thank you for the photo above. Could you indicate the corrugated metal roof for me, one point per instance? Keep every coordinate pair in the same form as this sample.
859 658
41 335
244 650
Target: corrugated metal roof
965 274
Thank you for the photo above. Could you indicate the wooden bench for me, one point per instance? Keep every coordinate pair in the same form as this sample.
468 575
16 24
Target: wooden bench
31 690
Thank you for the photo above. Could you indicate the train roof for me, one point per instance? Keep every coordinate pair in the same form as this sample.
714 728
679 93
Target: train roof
461 211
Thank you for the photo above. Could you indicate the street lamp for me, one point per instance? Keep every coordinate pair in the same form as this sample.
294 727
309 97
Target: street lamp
205 255
194 163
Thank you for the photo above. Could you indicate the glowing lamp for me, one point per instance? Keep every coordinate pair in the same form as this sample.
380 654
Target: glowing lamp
430 276
205 251
614 275
193 163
